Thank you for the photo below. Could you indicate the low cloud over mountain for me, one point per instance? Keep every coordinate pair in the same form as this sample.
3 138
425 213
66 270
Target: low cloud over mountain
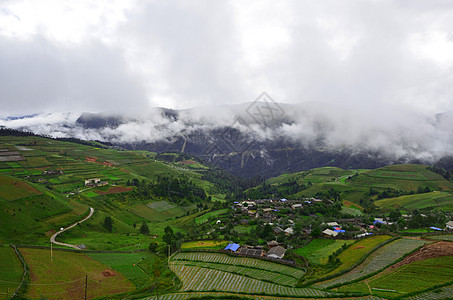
259 130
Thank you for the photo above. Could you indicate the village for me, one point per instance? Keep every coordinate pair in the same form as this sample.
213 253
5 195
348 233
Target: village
281 215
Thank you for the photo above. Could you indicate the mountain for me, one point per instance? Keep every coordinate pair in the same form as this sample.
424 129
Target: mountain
266 138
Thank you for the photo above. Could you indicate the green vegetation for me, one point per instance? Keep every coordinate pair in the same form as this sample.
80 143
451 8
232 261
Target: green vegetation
158 203
357 251
407 278
206 217
209 244
64 276
143 269
419 201
11 271
318 250
378 260
202 279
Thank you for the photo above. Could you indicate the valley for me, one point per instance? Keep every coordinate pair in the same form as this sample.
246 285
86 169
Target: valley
171 226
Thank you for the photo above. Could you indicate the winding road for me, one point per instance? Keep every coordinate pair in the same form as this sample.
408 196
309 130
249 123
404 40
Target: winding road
52 239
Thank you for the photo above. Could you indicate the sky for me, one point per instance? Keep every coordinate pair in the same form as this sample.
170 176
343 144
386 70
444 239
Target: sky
128 56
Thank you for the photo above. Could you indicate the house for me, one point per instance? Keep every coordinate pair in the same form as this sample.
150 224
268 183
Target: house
330 233
267 210
272 244
232 247
251 251
289 231
449 225
95 182
296 206
276 252
92 182
278 230
332 224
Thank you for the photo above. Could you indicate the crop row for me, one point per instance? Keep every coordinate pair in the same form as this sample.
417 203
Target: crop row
242 261
201 279
376 261
246 271
441 293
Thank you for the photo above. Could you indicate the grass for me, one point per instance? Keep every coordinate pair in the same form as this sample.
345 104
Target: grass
379 259
206 217
13 188
64 277
127 264
418 201
318 250
357 251
204 244
10 271
407 278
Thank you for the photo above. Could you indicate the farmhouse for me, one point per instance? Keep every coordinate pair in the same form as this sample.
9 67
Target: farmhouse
251 251
272 244
289 231
330 233
449 225
276 252
95 182
232 247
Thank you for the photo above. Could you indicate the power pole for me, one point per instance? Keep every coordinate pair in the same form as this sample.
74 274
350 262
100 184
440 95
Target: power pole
86 286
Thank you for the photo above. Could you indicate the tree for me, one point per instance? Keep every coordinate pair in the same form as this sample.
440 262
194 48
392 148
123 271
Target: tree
144 229
152 247
108 223
169 236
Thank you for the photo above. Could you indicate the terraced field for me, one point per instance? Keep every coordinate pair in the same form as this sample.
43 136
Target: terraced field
259 274
214 295
357 251
408 278
201 279
240 261
378 260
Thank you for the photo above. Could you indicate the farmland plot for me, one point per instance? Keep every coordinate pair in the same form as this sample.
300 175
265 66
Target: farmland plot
242 261
200 279
248 272
408 278
216 295
440 293
376 261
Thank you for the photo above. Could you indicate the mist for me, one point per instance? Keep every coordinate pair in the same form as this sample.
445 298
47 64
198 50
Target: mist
396 133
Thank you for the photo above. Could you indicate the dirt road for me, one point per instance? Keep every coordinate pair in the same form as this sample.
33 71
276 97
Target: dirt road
52 239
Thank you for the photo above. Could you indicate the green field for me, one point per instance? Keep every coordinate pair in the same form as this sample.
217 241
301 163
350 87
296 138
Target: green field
202 279
204 244
357 251
206 217
241 261
143 269
378 260
318 250
12 188
11 271
64 277
407 278
418 201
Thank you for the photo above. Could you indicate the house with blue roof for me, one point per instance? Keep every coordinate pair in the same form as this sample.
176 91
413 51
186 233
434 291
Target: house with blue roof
232 247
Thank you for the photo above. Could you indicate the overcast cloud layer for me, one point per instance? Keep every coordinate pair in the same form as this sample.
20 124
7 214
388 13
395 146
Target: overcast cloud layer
362 73
73 56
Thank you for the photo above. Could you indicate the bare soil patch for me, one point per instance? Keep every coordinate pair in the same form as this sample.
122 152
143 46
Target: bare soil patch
108 273
115 190
95 160
429 251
